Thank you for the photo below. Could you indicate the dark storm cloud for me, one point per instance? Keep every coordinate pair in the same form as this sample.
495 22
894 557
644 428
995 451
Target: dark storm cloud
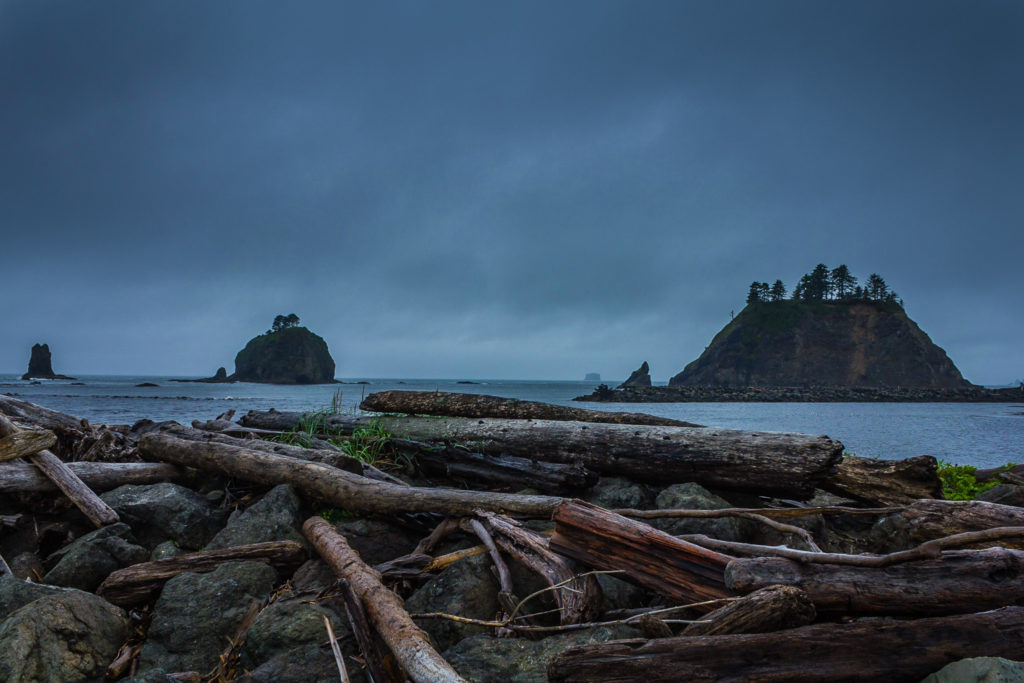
521 190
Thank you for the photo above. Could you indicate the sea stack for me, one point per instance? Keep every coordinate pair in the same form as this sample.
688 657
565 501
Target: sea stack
39 364
641 377
286 354
818 344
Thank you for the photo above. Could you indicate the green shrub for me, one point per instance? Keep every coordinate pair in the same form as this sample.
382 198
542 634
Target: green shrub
959 482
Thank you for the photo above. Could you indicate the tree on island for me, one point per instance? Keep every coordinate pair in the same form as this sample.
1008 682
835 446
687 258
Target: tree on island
758 293
778 292
822 284
283 322
843 283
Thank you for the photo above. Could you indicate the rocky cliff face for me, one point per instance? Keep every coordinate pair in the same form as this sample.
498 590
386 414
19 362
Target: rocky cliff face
39 364
290 356
796 343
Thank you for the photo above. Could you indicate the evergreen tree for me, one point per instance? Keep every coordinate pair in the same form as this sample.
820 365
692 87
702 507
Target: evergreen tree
763 291
818 287
754 293
842 282
800 292
876 288
778 292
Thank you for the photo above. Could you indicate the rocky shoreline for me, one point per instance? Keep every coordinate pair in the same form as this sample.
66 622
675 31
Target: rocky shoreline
714 394
210 569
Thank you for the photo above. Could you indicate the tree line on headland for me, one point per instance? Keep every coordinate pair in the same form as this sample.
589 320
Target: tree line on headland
822 284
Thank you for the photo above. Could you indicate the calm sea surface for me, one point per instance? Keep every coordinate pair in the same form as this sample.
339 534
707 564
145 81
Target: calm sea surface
982 434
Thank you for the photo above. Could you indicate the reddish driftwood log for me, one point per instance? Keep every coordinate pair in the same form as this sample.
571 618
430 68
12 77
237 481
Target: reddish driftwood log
772 608
98 512
768 463
876 650
886 482
410 645
956 582
332 485
138 583
665 564
481 405
21 477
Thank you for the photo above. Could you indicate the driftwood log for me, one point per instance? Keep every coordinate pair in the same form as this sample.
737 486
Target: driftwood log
98 512
925 520
409 644
768 463
956 582
772 608
329 484
886 482
494 471
25 442
481 405
875 650
21 477
138 583
667 565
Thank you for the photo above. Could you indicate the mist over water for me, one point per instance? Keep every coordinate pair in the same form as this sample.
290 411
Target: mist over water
982 434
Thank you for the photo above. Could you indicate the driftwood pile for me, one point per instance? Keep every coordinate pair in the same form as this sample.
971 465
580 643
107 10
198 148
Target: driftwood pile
951 587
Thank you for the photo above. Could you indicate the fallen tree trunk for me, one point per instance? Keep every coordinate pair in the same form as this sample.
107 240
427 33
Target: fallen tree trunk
98 512
771 608
956 582
138 583
925 520
767 463
24 443
886 482
876 650
409 644
665 564
329 484
495 471
481 405
21 477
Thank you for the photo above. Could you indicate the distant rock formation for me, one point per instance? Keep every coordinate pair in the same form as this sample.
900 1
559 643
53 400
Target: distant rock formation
819 344
291 355
39 364
592 377
220 377
641 377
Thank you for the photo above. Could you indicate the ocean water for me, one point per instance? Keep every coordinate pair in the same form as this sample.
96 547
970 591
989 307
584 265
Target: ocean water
981 434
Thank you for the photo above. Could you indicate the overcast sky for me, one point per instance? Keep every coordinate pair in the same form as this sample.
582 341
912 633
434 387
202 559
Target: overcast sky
499 190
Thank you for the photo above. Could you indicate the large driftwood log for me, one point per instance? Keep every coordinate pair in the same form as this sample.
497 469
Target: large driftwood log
138 583
494 471
98 512
665 564
21 477
25 442
344 489
768 463
925 520
876 650
410 645
481 405
956 582
772 608
886 482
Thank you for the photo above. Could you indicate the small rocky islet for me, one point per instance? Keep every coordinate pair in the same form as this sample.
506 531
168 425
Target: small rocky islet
214 608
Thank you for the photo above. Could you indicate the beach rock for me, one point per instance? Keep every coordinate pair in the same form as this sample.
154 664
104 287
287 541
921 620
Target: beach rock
67 636
375 540
39 364
641 377
292 623
27 565
615 492
313 575
692 496
310 663
16 593
293 355
979 670
466 588
486 659
619 594
84 563
1004 494
275 517
165 550
196 614
158 512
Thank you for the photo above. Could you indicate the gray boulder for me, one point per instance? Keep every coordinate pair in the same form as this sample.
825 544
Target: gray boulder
197 613
375 540
1004 494
692 496
16 593
165 550
158 512
615 492
486 659
275 517
308 663
88 560
979 670
67 636
466 588
290 623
